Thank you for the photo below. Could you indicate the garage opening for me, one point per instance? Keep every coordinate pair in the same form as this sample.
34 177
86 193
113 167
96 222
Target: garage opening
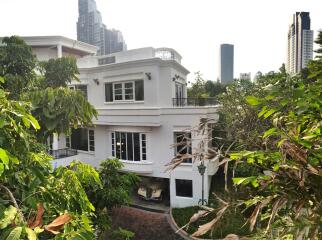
152 194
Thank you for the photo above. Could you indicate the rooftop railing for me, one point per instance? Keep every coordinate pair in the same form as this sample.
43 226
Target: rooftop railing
197 102
63 153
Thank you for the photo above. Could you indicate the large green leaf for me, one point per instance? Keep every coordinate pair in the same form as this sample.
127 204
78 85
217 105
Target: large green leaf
1 169
269 132
8 216
30 234
254 101
4 156
15 234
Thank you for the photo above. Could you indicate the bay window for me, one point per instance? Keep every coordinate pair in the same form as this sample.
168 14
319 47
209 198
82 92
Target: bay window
129 146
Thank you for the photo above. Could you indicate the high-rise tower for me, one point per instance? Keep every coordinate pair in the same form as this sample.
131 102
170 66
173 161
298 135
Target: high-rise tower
226 63
299 42
91 29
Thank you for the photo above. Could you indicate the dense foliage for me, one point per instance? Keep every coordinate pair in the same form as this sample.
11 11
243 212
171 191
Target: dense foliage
117 186
116 191
274 126
36 201
202 88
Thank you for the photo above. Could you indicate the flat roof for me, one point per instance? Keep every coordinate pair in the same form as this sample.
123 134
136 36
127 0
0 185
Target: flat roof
68 44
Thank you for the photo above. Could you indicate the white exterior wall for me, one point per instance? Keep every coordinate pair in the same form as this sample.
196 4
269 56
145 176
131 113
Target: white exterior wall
155 116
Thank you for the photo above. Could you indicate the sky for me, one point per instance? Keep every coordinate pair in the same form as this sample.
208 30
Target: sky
195 28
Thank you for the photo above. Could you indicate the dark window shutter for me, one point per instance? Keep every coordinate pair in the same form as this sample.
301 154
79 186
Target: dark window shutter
108 92
139 90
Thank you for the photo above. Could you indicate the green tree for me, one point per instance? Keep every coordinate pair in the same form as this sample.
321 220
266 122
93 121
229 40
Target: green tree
280 136
37 201
59 109
319 42
17 65
32 194
214 88
197 89
116 191
55 106
59 72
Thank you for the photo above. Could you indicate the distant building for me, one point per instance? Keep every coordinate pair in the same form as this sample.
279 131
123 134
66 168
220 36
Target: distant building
91 29
245 76
299 42
226 63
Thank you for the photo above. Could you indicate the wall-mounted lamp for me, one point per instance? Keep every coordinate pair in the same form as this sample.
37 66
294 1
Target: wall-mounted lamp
176 77
96 81
148 75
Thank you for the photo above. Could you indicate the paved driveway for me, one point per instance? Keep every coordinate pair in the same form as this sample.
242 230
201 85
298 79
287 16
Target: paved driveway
146 225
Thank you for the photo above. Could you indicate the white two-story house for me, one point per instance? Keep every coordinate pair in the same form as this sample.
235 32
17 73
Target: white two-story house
142 104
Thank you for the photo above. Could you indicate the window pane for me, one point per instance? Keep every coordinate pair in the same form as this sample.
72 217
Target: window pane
128 96
128 85
91 140
117 86
118 145
184 188
118 97
137 150
79 139
68 141
83 89
113 144
184 147
143 143
129 146
108 92
118 91
123 146
128 91
139 90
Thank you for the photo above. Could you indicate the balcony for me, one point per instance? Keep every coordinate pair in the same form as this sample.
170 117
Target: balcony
195 102
63 153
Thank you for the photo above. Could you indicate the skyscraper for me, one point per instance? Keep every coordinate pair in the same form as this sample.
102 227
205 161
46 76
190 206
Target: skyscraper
299 42
226 63
91 29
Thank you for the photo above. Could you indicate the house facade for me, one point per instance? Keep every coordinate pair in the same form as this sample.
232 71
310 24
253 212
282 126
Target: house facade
143 109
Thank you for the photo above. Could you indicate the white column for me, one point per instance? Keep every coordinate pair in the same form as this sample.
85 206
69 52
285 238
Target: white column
55 141
59 51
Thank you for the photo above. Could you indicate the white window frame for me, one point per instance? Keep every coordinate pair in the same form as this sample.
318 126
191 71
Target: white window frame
73 87
88 141
68 140
114 146
123 91
190 147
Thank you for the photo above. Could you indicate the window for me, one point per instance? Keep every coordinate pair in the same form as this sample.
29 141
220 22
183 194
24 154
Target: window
183 145
184 188
129 146
82 139
124 91
68 142
106 60
80 87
